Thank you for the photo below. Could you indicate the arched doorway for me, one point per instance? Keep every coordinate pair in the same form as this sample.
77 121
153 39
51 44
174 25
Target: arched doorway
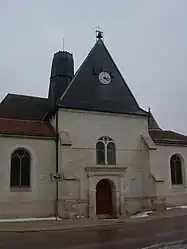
105 198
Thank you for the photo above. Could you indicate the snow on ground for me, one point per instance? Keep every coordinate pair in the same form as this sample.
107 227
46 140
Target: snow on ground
28 219
141 214
146 213
170 208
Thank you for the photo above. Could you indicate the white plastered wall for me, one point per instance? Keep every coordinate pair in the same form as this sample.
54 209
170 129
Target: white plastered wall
160 167
84 128
39 199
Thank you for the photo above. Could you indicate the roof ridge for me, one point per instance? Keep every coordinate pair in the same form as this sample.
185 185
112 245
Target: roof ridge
119 73
74 77
23 95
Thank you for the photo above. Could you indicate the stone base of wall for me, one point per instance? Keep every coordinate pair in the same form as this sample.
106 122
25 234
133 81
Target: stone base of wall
135 205
176 200
27 209
153 203
79 208
69 209
73 208
132 206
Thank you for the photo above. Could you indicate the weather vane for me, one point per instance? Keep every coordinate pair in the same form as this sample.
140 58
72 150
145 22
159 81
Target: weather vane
99 33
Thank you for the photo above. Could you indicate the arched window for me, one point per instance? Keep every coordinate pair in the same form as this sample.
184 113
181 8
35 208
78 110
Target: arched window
20 169
105 151
176 170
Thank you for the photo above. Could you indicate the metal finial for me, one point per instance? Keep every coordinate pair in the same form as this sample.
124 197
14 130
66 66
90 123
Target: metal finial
63 44
99 33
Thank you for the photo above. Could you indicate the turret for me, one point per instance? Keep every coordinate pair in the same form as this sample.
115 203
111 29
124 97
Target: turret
62 72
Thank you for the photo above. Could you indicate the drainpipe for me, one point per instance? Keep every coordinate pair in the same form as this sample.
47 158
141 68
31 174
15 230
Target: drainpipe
57 142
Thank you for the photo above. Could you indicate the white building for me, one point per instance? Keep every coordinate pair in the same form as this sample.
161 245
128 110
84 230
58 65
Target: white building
114 158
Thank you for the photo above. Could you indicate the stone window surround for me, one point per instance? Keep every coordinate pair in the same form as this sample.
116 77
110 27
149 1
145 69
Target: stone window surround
105 140
21 188
178 187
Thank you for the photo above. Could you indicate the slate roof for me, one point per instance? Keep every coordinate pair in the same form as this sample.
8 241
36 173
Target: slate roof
26 127
24 107
152 123
85 91
164 137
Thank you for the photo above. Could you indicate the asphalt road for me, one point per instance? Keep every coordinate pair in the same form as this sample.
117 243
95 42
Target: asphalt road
132 235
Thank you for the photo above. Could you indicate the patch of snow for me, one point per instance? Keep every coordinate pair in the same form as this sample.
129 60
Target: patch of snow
28 219
80 217
141 214
170 208
182 207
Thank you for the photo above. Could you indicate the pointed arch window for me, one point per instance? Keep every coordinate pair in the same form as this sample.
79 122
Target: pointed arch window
106 151
177 171
20 168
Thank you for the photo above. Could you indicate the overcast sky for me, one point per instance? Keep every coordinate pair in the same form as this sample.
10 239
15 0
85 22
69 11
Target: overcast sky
147 39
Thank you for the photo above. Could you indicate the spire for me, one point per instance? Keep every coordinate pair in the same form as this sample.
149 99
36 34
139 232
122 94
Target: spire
99 86
152 124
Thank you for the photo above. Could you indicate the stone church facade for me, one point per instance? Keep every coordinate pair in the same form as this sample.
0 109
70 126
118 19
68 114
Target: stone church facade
111 157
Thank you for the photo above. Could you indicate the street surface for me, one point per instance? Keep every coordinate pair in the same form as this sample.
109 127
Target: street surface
131 235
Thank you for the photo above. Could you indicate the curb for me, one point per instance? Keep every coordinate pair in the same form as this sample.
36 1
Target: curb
63 229
67 228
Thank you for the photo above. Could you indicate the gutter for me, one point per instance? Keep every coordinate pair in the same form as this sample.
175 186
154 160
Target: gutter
27 136
170 143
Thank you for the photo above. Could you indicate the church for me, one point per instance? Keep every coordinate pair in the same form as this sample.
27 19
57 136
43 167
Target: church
89 149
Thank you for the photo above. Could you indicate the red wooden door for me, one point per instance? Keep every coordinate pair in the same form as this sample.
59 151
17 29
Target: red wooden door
104 197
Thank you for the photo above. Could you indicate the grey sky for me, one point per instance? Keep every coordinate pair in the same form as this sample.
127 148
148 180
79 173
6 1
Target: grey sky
147 39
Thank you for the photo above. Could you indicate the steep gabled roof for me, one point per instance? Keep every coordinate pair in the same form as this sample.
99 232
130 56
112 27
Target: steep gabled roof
24 107
86 92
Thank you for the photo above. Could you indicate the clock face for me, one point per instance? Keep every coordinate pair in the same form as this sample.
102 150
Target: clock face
104 78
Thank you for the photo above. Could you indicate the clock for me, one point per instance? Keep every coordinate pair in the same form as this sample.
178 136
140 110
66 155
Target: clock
104 78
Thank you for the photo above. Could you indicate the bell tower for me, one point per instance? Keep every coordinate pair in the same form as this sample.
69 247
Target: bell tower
62 72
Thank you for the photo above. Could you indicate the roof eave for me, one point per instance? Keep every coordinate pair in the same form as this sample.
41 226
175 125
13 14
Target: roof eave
170 143
144 113
26 135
